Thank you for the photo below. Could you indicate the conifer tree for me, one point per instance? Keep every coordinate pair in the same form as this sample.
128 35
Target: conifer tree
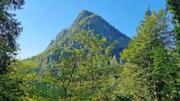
174 8
149 53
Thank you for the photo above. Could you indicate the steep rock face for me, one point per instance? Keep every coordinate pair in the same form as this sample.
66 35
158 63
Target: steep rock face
85 21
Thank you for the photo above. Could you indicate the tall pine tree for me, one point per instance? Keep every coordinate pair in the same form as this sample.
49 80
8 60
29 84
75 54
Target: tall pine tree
148 52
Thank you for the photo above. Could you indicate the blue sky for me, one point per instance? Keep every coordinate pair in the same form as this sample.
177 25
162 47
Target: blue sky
43 19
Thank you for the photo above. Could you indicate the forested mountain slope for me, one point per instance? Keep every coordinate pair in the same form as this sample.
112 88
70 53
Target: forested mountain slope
85 21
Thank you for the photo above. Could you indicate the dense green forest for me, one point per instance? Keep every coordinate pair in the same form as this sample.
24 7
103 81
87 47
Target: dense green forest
88 68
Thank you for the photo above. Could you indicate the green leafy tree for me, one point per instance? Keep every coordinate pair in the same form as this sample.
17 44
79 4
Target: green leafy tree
10 89
67 69
99 70
9 31
16 83
131 85
24 73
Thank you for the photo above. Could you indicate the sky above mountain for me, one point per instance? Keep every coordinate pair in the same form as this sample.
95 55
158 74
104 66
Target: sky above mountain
43 19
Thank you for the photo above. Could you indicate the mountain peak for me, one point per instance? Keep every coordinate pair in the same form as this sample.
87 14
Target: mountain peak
89 21
85 13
